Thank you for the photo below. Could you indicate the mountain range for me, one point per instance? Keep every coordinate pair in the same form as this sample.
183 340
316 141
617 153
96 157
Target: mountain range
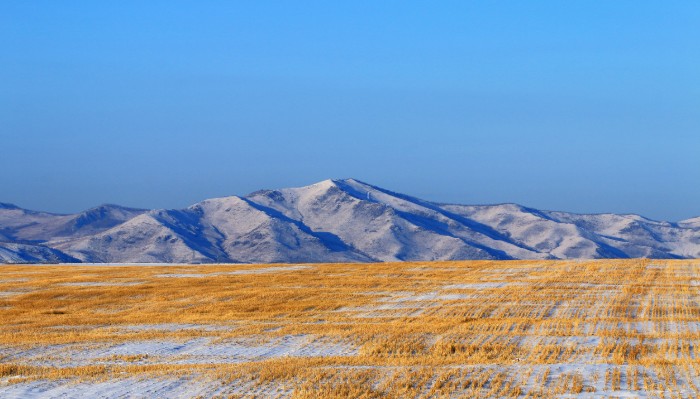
334 221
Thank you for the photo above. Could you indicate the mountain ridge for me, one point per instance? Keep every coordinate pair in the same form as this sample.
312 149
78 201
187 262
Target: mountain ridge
334 220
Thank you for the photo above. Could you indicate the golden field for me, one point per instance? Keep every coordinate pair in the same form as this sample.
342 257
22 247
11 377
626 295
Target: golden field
466 329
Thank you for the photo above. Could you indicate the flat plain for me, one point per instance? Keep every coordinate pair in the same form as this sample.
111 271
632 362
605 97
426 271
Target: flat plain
465 329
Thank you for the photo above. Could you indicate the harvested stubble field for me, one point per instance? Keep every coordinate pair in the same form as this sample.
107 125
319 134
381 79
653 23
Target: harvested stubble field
471 329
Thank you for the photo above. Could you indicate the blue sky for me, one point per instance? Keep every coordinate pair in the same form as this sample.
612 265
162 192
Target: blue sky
585 106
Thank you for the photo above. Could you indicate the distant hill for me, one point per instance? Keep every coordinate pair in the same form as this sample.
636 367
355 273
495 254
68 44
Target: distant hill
334 221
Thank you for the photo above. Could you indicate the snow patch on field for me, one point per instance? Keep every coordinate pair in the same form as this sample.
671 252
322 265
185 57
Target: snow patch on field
193 351
14 280
101 284
475 286
402 304
592 376
264 270
131 387
176 327
204 350
431 296
268 270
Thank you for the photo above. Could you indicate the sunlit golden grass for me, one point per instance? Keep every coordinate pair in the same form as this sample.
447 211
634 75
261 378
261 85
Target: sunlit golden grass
424 329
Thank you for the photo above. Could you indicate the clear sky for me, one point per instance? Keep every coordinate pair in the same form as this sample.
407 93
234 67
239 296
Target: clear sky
585 106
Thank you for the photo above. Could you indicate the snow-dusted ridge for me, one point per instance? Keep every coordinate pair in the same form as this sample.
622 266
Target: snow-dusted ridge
343 220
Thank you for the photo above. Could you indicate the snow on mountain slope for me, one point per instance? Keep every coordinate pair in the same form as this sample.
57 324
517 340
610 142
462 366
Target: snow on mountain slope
218 230
141 239
638 236
376 229
97 219
24 253
533 229
247 232
569 235
691 223
440 219
30 226
340 221
19 224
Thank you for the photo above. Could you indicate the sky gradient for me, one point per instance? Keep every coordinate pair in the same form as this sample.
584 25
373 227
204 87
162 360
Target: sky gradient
565 105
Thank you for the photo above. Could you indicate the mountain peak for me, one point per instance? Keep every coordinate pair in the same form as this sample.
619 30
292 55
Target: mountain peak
352 181
328 183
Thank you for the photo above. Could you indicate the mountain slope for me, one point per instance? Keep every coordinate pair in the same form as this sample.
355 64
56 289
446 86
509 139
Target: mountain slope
229 229
24 253
569 235
335 221
383 225
23 225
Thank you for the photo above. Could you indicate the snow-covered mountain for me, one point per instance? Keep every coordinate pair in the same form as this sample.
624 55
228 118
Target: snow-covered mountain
22 225
334 221
25 253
